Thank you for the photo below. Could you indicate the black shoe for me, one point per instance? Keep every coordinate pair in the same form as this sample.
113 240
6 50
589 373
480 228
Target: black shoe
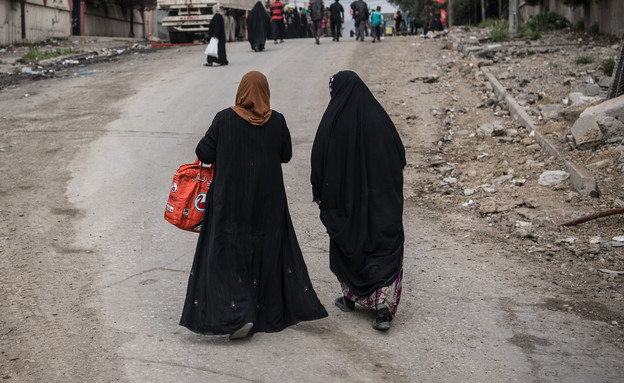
242 332
382 320
345 304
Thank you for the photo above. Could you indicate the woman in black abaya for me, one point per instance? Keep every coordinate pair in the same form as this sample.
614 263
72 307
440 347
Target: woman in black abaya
217 29
248 274
357 180
258 26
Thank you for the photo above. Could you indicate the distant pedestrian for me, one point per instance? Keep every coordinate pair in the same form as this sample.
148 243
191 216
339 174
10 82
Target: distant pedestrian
357 181
277 20
376 22
336 18
303 15
216 29
398 20
411 24
248 274
258 27
315 11
360 15
296 24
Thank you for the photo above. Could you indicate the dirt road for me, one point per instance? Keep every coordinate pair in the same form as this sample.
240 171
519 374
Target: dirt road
94 278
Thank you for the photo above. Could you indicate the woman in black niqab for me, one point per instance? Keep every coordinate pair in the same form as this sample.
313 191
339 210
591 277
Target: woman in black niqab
217 29
248 274
357 180
258 27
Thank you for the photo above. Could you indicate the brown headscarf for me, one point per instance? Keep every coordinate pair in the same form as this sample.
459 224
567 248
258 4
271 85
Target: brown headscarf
253 99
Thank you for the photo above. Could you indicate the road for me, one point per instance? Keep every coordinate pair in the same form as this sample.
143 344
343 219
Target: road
466 314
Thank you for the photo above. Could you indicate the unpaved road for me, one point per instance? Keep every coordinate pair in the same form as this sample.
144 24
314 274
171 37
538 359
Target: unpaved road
93 279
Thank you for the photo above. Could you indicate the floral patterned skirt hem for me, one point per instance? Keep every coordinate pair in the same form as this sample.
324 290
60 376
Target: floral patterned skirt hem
390 295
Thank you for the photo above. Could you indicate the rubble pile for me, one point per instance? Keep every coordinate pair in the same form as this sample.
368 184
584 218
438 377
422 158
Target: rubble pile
495 168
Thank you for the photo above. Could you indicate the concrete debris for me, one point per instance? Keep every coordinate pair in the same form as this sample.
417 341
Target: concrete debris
553 177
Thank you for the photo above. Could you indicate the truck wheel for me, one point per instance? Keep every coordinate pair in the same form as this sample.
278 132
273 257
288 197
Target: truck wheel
173 38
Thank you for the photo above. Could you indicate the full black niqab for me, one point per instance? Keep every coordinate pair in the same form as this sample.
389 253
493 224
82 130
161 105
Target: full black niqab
258 26
216 29
357 174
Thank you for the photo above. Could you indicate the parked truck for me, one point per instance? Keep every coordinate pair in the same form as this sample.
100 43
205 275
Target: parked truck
188 20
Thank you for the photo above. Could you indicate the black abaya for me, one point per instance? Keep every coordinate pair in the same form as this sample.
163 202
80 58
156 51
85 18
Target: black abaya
217 29
248 266
357 174
258 27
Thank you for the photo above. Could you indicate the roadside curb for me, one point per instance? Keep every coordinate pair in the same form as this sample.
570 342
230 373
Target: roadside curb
581 178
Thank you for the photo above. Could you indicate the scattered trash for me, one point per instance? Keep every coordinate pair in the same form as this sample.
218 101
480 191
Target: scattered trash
619 238
469 192
28 70
595 240
607 271
488 188
70 62
483 155
467 203
84 73
435 112
553 177
613 244
518 181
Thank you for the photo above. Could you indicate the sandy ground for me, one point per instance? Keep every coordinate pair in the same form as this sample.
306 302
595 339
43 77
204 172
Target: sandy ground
48 304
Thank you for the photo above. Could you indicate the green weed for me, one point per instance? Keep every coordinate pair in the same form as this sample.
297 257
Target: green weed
35 54
607 66
583 60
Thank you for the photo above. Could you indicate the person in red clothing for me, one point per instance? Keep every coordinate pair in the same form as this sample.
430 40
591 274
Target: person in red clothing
277 21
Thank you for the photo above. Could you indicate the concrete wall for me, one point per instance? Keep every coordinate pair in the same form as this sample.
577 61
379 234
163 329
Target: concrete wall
607 14
47 19
43 21
111 21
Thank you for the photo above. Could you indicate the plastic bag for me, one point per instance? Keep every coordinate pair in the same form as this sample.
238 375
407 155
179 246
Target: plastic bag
213 47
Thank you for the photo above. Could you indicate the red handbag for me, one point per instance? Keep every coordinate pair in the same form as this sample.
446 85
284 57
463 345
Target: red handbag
187 198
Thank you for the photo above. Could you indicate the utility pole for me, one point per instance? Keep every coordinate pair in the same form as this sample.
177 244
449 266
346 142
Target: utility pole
482 10
513 17
23 19
449 14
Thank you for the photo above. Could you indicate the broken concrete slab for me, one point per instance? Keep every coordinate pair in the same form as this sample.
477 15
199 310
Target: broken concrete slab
590 90
611 127
587 131
551 111
582 179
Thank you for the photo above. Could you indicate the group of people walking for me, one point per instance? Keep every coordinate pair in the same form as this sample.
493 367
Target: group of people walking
279 23
248 273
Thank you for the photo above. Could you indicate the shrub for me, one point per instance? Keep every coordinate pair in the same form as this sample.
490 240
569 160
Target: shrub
488 23
607 66
582 60
549 21
500 31
525 31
